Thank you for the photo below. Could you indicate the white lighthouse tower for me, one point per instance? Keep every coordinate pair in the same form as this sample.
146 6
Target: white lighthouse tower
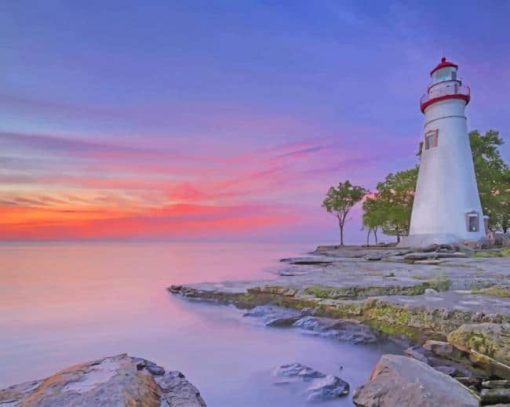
447 205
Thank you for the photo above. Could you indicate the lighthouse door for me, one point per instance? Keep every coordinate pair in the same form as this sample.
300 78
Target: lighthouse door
473 221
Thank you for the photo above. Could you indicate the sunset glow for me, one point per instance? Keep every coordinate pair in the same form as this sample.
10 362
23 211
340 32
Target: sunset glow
229 133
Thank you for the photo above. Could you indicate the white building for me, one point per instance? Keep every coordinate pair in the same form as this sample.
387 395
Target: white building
447 205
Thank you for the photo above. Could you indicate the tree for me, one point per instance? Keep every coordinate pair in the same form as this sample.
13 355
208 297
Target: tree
493 177
340 200
373 216
390 207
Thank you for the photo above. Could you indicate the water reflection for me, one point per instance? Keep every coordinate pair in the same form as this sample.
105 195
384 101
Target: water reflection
65 303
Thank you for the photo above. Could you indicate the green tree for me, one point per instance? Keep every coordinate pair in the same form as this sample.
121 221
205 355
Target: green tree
394 203
340 200
391 206
374 216
493 177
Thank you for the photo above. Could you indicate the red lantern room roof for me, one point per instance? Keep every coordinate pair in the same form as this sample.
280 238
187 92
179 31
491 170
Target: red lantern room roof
443 64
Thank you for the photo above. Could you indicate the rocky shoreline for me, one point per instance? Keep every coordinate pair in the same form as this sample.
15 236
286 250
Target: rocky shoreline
451 304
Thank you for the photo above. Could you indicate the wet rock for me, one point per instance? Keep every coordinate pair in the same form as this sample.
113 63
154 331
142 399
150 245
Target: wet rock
113 381
403 381
327 388
274 316
297 371
494 396
342 330
322 387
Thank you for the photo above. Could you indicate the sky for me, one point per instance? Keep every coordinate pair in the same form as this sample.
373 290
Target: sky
223 120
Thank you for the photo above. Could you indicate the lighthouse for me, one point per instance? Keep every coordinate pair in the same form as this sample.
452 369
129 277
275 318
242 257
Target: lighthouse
447 205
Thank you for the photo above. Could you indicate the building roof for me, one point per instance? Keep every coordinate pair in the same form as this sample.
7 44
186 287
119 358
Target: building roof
443 64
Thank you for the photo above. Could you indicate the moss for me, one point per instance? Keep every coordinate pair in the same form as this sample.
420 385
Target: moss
501 291
441 283
355 292
415 335
492 253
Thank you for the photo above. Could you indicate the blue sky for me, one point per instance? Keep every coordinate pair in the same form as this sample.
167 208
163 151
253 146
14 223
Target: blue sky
243 113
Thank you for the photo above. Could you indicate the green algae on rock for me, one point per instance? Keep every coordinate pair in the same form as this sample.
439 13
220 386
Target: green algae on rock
489 339
501 291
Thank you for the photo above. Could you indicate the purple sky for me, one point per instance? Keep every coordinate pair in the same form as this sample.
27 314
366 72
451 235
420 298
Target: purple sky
192 120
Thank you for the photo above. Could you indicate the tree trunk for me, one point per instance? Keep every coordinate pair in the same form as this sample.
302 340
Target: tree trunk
368 237
341 222
375 236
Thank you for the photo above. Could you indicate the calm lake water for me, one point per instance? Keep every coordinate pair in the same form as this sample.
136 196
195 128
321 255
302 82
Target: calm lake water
62 304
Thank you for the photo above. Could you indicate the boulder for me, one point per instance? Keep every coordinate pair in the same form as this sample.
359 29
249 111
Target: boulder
491 366
112 381
402 381
487 339
321 387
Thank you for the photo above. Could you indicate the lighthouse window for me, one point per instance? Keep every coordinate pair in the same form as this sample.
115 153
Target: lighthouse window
431 139
473 221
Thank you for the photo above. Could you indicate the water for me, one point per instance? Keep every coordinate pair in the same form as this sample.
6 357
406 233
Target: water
62 304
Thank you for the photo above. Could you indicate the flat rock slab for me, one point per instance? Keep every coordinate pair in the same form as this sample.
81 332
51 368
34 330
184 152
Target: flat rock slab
402 381
460 300
112 381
